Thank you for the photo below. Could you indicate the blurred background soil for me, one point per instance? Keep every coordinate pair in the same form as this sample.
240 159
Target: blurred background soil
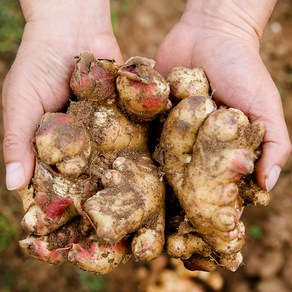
140 26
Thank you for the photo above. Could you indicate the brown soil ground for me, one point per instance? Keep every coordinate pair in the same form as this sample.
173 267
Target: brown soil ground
268 249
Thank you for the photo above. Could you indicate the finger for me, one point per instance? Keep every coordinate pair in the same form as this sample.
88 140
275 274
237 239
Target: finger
276 151
20 117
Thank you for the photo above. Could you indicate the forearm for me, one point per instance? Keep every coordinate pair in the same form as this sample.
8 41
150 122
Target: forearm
250 16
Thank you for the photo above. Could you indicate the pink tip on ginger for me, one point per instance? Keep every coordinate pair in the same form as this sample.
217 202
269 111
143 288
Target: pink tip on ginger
90 256
143 92
52 206
38 247
60 137
94 79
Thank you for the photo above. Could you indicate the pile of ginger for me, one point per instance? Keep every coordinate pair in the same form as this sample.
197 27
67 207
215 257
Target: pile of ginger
137 165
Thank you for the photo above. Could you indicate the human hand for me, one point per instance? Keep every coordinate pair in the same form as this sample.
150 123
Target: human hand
38 82
223 37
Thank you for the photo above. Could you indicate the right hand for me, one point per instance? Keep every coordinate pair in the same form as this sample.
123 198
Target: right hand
38 81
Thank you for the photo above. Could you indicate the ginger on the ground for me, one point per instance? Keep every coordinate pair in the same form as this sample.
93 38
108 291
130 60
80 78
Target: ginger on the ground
94 170
166 274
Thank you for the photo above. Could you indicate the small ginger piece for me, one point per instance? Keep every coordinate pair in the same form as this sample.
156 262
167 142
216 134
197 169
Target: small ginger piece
188 82
91 256
143 92
94 79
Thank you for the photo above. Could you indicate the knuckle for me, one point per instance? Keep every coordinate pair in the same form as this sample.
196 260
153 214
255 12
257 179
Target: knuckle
11 142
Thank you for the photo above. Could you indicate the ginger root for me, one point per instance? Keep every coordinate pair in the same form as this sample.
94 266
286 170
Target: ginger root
94 170
208 155
98 196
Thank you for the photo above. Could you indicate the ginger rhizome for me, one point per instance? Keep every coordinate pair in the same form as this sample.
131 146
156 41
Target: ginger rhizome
98 194
208 155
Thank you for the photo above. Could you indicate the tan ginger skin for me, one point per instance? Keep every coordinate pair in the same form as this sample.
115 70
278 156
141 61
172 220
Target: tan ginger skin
205 154
93 163
97 196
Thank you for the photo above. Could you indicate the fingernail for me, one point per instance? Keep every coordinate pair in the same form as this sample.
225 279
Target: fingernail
272 177
14 175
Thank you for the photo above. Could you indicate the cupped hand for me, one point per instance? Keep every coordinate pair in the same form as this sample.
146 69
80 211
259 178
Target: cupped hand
229 54
38 81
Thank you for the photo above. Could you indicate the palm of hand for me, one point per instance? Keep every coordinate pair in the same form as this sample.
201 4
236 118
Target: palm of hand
38 82
239 79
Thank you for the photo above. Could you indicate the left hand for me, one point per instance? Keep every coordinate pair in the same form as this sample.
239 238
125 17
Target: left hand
228 51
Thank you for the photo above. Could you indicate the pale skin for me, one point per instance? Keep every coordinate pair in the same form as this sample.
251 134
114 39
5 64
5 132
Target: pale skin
222 37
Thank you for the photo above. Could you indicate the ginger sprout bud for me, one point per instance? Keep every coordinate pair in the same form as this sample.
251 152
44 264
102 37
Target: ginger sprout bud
94 79
143 92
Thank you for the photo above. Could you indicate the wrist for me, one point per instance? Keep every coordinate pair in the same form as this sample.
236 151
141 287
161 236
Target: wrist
247 17
71 22
48 10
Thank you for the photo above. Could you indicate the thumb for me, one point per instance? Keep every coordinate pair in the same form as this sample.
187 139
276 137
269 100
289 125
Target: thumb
275 152
21 115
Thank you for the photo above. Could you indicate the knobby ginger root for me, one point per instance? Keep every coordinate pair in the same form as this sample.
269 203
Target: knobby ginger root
96 196
143 92
187 82
208 155
168 274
